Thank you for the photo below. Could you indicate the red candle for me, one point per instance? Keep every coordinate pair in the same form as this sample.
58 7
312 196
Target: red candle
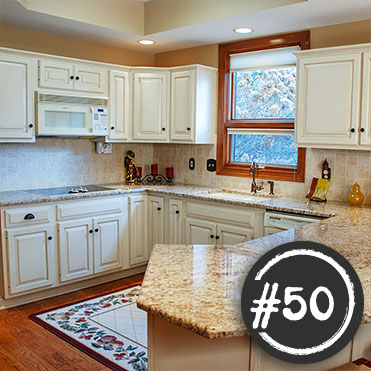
170 172
138 172
154 169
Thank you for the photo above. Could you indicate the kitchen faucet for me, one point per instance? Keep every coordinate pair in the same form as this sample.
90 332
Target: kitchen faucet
254 187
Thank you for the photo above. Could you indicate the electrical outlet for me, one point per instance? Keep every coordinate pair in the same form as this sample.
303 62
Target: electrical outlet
192 163
102 147
211 165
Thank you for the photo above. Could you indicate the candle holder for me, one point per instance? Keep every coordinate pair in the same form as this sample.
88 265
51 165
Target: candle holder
154 179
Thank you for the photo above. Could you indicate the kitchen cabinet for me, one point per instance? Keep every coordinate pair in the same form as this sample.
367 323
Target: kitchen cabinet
156 221
75 249
119 103
232 235
64 75
138 229
175 222
329 99
16 98
193 105
151 106
199 232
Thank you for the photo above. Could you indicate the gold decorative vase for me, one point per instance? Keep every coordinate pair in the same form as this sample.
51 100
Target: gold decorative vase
356 197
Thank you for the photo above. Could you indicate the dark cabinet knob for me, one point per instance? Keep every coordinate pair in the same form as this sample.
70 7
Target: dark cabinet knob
189 129
112 128
362 130
90 231
30 126
29 217
212 236
353 130
159 208
50 238
96 230
177 212
77 78
163 129
72 77
217 237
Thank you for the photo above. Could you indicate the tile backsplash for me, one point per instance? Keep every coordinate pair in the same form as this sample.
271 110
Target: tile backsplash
63 162
348 167
54 162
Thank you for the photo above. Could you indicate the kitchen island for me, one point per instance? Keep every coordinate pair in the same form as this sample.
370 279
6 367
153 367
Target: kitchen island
192 296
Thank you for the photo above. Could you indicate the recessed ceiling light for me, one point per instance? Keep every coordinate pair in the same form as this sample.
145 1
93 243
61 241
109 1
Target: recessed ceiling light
243 30
146 42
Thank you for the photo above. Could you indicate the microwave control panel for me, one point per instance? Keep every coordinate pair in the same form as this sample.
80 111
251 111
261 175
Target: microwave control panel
99 120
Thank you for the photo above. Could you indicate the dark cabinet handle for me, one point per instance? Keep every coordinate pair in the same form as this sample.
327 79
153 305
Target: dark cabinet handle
362 130
112 128
90 231
189 129
96 230
177 212
77 78
212 236
159 208
50 238
29 217
353 130
163 129
72 77
217 237
30 126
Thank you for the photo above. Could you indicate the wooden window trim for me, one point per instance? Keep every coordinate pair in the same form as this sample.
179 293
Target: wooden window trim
225 106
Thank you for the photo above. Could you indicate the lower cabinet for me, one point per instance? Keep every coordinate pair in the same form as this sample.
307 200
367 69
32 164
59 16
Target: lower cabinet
175 222
156 221
30 252
232 235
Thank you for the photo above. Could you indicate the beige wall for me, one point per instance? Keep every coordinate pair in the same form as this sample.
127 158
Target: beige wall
17 38
343 34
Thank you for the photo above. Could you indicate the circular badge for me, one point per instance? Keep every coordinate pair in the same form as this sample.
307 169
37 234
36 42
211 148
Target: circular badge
302 302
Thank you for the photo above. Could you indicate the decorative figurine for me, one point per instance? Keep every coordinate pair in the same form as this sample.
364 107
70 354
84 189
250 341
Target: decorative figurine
356 197
130 167
326 171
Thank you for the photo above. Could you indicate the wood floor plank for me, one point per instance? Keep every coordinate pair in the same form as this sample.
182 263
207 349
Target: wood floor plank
26 346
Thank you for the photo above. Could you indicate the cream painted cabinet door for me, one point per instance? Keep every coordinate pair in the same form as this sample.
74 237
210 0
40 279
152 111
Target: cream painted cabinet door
328 100
232 235
182 106
175 222
150 115
75 249
119 104
109 243
56 74
16 97
89 78
365 128
31 258
138 229
199 232
156 222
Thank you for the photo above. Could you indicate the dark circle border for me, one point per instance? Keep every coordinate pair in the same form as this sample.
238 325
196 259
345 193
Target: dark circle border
355 320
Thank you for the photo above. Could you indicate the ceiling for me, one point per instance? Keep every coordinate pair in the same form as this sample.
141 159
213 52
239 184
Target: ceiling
171 24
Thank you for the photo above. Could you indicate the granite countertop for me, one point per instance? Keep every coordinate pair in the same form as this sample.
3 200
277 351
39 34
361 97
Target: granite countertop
199 287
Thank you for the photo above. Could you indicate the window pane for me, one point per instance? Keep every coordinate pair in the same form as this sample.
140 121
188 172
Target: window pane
264 149
266 93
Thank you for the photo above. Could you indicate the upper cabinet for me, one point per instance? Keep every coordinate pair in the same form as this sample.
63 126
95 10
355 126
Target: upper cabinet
61 75
329 98
16 98
193 105
151 106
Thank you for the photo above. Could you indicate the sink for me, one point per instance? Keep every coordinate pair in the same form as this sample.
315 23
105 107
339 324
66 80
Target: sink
240 196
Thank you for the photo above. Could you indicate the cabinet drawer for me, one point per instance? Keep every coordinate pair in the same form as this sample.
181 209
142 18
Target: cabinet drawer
84 208
22 216
224 213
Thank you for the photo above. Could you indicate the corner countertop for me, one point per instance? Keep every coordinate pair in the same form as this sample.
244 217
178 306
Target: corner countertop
198 287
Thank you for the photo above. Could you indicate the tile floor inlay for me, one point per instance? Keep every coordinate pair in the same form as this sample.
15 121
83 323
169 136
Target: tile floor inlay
112 326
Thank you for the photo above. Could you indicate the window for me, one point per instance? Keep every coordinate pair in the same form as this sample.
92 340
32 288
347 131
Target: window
257 87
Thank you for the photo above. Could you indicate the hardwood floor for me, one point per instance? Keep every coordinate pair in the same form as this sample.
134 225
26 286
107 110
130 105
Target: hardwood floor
26 346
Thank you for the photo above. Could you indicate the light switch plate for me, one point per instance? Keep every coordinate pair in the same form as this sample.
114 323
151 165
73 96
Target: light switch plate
211 165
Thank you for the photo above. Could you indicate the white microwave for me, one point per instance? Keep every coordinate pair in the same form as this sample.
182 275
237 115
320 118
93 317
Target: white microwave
71 116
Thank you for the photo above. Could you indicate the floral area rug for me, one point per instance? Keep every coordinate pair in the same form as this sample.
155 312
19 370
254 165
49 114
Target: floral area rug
110 328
